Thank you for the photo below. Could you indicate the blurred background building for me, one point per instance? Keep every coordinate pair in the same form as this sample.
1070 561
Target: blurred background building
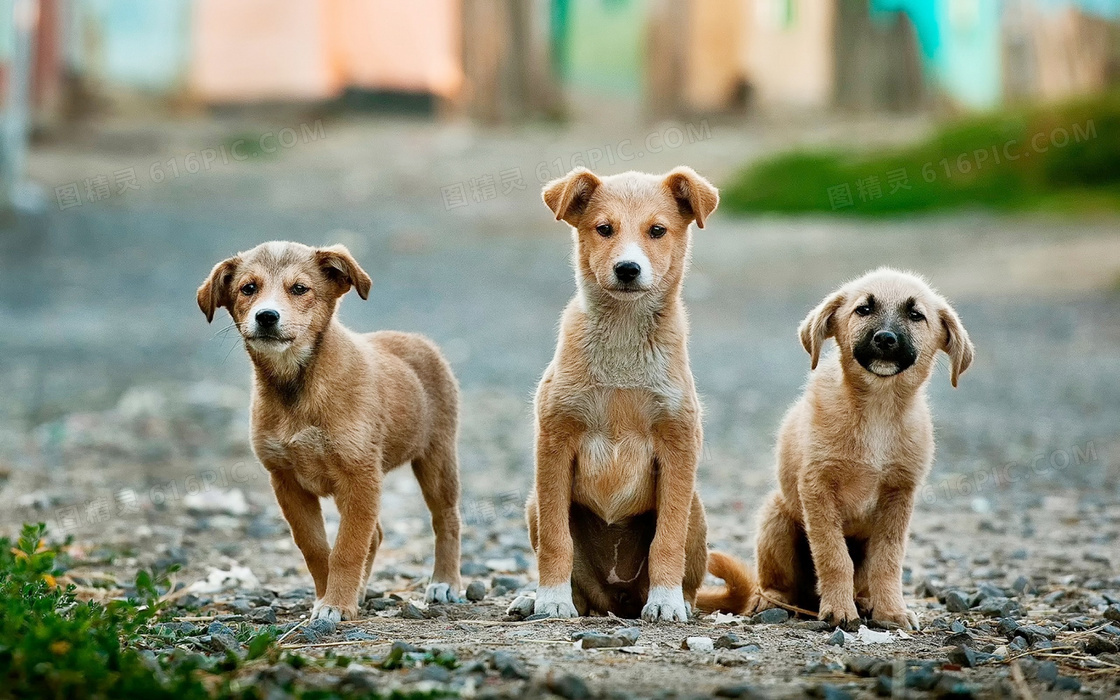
506 59
501 61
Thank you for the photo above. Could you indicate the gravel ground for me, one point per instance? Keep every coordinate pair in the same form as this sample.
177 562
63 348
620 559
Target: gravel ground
126 418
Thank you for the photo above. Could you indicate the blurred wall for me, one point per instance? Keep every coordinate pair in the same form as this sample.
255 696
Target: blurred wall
133 44
787 52
261 50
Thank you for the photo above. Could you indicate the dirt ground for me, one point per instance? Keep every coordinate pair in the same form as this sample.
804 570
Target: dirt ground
125 419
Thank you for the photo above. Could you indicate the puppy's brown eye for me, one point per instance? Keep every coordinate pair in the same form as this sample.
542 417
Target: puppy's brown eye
916 316
299 289
249 289
656 231
604 230
864 310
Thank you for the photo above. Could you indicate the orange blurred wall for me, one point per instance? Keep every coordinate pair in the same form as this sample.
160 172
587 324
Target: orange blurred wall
261 50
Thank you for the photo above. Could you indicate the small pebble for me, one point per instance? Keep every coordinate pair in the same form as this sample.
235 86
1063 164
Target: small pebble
568 686
773 616
837 638
957 601
509 665
411 612
264 615
698 644
476 591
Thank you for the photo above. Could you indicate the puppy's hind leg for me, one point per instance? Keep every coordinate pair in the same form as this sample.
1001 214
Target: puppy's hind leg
378 535
438 474
776 554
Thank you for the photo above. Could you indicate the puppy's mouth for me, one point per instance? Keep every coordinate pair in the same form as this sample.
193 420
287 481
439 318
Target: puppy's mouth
626 291
270 341
883 368
884 364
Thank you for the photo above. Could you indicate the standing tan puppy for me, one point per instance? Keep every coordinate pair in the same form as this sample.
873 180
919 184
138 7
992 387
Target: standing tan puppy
614 516
333 411
853 451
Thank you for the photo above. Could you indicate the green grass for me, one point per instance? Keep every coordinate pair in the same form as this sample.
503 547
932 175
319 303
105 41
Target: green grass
53 645
1064 158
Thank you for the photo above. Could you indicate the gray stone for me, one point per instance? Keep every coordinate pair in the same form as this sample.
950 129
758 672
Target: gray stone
476 591
958 601
356 634
510 583
1035 633
411 612
773 616
435 673
474 568
316 630
813 625
738 690
837 638
999 607
963 656
594 639
509 665
1097 644
263 615
568 686
1007 627
522 607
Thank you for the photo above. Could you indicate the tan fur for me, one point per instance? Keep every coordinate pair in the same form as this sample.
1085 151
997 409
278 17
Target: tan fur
851 453
614 512
333 411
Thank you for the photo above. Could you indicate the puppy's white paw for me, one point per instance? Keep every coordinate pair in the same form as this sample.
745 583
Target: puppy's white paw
328 612
441 593
555 601
665 604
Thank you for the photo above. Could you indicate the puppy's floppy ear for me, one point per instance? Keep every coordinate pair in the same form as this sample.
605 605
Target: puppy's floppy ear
819 326
568 196
216 291
955 343
695 196
340 266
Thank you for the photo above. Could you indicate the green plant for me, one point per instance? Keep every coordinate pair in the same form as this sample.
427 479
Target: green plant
53 645
1065 157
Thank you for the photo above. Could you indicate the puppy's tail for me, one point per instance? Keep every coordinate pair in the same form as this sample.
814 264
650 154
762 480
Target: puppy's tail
740 584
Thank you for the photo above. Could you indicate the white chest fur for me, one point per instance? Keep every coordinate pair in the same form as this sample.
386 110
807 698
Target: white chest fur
615 463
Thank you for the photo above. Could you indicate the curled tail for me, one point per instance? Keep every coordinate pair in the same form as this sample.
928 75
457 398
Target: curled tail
740 585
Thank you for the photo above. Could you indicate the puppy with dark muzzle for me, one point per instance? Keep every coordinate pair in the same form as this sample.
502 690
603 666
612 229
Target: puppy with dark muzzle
333 410
851 454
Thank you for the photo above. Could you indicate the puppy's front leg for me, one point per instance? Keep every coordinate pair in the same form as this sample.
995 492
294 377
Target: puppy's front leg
677 451
358 498
885 552
824 528
305 518
555 456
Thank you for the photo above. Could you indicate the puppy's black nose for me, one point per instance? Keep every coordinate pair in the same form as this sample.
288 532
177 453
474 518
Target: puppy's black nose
627 271
267 318
885 340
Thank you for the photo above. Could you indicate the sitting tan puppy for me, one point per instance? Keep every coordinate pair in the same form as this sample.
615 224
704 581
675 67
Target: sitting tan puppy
333 410
614 517
852 452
